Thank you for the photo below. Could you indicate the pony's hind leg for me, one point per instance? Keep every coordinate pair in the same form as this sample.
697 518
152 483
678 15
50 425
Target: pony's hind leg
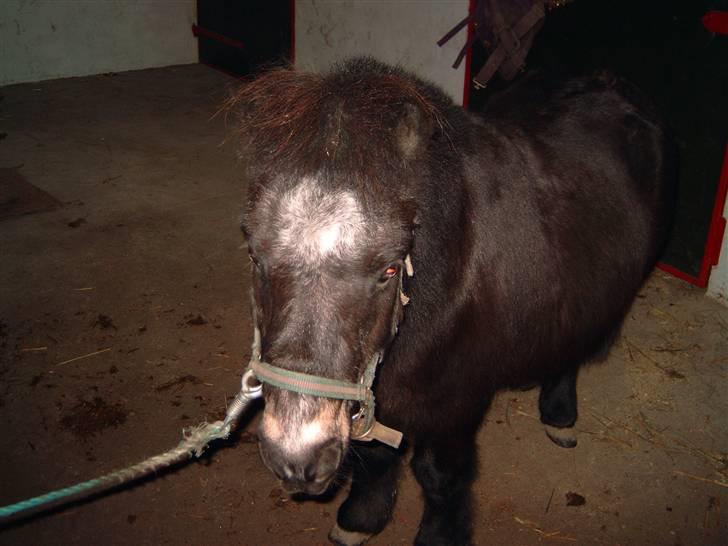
557 404
368 508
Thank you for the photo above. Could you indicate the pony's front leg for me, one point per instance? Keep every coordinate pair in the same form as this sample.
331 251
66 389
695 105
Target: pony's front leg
368 508
446 470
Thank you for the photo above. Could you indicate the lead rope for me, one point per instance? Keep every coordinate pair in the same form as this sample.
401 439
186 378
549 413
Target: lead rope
194 443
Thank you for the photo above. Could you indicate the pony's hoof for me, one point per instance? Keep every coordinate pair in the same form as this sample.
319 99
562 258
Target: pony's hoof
342 537
562 437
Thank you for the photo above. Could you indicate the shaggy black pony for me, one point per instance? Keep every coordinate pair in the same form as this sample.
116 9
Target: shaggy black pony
457 253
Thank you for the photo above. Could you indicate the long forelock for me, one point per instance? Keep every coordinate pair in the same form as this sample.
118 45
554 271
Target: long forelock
349 117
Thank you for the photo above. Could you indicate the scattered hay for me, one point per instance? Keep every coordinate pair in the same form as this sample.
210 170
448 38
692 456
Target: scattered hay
87 355
670 372
669 443
700 478
536 528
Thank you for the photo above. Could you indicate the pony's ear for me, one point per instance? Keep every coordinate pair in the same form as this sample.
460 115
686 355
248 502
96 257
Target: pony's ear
413 130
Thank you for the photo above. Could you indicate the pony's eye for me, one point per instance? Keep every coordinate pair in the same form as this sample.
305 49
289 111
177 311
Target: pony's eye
388 273
254 261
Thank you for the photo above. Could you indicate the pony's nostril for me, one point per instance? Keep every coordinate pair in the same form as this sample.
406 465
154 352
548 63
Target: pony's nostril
328 460
309 473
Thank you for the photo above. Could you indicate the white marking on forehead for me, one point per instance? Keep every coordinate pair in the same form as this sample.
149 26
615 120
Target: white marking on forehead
316 224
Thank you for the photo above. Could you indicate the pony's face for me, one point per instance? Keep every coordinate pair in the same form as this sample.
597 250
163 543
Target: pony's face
327 263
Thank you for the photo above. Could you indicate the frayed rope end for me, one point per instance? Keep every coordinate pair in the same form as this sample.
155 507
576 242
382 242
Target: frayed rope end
197 437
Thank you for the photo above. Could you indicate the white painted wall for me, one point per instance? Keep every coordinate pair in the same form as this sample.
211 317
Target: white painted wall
395 31
45 39
718 284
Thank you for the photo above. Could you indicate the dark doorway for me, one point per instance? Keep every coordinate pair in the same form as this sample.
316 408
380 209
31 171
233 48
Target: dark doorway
244 37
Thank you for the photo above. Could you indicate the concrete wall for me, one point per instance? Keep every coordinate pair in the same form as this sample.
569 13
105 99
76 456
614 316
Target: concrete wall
54 39
400 32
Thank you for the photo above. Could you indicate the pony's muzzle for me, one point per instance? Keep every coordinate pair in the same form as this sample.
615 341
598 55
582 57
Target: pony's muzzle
309 471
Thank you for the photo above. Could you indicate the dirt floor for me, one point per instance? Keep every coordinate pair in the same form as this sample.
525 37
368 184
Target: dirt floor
124 317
